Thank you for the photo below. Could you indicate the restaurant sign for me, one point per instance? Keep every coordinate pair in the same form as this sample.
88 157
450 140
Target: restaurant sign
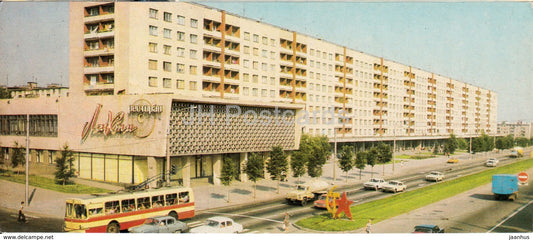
140 121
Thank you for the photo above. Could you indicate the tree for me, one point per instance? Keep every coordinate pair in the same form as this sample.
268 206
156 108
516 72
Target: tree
228 173
346 162
360 161
318 150
298 162
522 141
64 166
384 154
435 149
371 159
4 93
462 143
18 156
477 145
500 143
451 145
254 169
508 141
277 165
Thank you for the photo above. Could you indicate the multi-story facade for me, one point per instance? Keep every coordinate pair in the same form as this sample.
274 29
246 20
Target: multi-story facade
31 90
126 56
517 129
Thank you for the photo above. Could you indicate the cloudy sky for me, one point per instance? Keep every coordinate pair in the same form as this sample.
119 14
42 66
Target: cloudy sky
488 44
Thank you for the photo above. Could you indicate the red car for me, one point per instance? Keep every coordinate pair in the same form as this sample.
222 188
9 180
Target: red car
321 202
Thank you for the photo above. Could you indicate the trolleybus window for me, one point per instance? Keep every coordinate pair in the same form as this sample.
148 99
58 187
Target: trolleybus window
184 197
143 203
172 199
76 211
157 201
128 205
112 207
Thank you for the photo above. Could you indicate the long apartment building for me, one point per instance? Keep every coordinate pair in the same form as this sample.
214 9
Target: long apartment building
146 64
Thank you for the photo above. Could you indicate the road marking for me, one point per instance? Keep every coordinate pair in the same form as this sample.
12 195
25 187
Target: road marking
510 216
240 215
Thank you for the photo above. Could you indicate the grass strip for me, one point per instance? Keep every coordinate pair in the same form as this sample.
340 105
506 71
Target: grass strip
397 204
48 183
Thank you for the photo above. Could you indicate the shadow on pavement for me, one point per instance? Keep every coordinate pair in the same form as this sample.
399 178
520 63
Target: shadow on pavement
241 191
265 188
217 196
483 196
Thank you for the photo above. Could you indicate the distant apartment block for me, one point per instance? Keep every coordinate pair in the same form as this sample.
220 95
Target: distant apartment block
517 129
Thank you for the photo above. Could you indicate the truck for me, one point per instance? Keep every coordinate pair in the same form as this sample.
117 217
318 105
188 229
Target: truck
517 152
505 186
303 193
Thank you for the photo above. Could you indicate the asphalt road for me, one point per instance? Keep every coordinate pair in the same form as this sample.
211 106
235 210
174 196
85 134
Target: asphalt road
9 223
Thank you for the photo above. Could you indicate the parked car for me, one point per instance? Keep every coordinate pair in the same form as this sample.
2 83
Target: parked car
491 162
453 160
428 228
321 202
394 186
162 224
435 176
218 225
374 183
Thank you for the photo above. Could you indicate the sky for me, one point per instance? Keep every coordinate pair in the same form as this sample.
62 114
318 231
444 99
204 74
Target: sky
487 44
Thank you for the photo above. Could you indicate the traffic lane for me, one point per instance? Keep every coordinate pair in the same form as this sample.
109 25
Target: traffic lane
473 211
9 223
521 222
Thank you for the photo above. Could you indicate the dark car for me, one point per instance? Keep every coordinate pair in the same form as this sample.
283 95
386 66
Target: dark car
428 228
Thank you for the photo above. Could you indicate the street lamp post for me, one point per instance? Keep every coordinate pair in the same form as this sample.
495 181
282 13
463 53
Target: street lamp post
27 158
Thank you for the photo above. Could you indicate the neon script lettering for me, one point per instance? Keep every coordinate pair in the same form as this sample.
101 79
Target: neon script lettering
114 125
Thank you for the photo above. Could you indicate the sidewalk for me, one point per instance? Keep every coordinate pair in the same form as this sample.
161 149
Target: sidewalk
208 196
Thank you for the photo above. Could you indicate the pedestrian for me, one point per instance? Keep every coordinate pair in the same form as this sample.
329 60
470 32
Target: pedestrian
21 217
368 226
286 222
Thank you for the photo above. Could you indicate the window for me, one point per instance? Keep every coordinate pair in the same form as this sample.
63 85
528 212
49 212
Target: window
272 93
93 11
255 78
181 52
193 70
194 38
153 30
166 49
246 77
265 40
192 85
92 45
167 17
264 66
247 36
180 84
272 81
264 53
192 54
152 81
181 20
108 78
153 13
264 80
246 50
167 33
152 47
167 66
194 23
245 91
256 51
181 36
167 82
263 93
254 92
255 65
256 38
180 68
246 63
152 64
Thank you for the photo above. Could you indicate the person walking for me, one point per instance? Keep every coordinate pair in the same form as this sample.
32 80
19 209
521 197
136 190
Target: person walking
286 222
21 217
368 226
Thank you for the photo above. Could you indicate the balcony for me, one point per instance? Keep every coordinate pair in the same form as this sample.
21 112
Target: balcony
98 69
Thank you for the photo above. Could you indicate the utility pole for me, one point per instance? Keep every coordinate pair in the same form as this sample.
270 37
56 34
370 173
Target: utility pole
27 158
334 154
167 176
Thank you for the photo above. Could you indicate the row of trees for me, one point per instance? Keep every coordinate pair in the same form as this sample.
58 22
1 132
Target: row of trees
348 159
64 162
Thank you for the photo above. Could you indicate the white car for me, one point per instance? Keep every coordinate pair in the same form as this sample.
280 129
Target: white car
218 225
491 162
435 176
374 183
394 186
